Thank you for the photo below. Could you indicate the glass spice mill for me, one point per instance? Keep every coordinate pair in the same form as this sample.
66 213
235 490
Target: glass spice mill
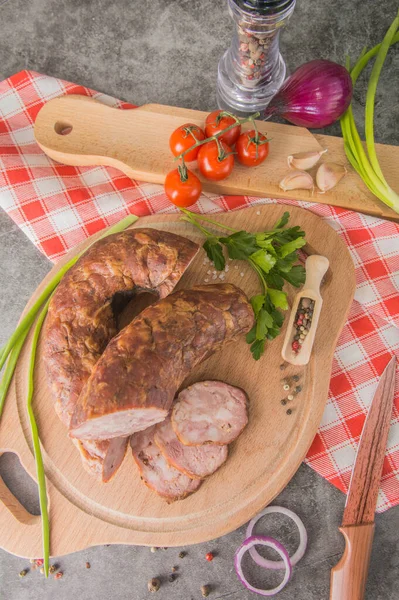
252 70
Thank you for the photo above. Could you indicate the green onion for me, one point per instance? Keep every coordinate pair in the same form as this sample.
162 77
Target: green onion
12 350
41 476
366 163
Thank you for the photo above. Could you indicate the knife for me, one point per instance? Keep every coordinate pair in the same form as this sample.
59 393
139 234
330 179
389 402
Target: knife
349 576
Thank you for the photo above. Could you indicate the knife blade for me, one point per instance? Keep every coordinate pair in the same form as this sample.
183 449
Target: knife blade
349 576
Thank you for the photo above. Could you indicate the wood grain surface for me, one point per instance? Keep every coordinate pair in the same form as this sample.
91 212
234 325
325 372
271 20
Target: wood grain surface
137 142
261 462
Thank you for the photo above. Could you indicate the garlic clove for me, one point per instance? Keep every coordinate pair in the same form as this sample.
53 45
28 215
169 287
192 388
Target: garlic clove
297 180
304 160
328 175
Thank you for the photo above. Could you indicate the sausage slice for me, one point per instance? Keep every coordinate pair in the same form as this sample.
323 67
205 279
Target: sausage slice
209 412
134 382
156 473
195 461
82 314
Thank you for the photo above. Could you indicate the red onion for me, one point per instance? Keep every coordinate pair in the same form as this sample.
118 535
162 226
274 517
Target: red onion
303 538
316 95
248 544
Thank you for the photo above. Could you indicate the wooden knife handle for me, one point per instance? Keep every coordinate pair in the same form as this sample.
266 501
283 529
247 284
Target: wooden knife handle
349 576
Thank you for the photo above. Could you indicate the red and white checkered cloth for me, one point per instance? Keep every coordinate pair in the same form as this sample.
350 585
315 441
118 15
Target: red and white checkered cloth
59 206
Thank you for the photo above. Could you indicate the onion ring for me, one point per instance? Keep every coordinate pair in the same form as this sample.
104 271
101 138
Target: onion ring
261 540
303 539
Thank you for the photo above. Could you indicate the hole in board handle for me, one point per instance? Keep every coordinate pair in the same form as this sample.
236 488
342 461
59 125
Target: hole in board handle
62 128
20 484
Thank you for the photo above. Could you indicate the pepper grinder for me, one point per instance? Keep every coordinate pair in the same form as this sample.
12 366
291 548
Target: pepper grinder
252 70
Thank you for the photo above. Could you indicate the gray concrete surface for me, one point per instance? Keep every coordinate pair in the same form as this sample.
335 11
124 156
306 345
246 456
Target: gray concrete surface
167 51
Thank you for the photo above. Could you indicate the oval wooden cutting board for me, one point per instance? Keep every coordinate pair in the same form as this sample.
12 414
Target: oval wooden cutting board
261 462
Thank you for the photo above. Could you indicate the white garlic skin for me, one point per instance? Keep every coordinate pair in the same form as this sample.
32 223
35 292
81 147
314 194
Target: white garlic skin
304 160
297 180
328 175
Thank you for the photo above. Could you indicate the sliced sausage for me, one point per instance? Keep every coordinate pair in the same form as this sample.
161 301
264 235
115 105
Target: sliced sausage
156 473
134 382
82 315
195 461
102 458
210 412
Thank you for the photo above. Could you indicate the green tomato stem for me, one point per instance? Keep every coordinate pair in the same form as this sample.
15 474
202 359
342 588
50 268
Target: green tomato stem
219 134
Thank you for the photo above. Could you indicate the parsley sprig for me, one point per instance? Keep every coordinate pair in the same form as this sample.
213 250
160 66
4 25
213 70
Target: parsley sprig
272 254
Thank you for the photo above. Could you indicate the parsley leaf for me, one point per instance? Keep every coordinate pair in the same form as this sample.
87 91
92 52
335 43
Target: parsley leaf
263 323
214 251
283 221
257 303
278 298
291 246
240 244
296 276
264 260
257 349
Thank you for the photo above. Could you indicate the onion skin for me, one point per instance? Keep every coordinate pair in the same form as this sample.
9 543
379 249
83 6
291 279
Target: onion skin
314 96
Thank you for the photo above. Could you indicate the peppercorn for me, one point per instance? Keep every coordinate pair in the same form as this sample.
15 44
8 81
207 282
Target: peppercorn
154 549
296 378
174 569
59 575
283 401
42 570
52 569
172 577
289 411
298 389
88 565
32 561
39 562
182 554
23 572
153 585
283 366
209 556
205 591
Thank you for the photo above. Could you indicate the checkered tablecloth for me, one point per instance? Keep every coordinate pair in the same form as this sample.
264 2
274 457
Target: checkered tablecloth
58 206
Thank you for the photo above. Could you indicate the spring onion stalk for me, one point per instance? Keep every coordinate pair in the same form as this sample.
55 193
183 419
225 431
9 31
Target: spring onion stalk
366 163
41 476
12 350
10 368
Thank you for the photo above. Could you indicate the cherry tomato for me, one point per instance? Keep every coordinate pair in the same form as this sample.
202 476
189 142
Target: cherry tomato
214 125
182 190
213 163
252 152
183 138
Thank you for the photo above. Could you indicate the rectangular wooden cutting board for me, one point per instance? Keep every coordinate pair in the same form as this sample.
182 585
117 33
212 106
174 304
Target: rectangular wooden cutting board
137 142
84 512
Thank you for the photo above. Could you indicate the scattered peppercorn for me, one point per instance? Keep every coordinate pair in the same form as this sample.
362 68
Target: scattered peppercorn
289 411
52 569
42 570
32 561
172 578
34 567
39 562
290 397
182 554
153 585
284 401
205 591
154 549
296 378
59 575
298 389
23 572
209 556
283 366
88 565
174 569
